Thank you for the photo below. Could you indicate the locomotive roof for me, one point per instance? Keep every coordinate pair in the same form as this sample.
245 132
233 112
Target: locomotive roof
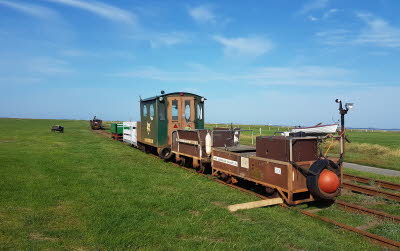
169 94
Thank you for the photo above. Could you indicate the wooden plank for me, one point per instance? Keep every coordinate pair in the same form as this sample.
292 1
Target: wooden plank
255 204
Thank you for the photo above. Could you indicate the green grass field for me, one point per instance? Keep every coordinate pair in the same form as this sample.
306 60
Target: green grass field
81 190
373 148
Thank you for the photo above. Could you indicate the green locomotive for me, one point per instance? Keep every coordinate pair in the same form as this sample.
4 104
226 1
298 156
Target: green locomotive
161 115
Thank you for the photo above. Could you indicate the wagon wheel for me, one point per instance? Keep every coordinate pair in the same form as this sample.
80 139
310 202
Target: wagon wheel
226 178
269 191
183 161
201 168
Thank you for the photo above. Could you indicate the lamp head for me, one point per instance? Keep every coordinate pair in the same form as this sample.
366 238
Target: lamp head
349 106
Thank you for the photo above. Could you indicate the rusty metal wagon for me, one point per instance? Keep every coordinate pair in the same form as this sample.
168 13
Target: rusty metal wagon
288 166
57 128
96 124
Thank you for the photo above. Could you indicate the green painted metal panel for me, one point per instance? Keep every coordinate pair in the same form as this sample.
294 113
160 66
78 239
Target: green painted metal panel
162 123
149 128
199 114
117 128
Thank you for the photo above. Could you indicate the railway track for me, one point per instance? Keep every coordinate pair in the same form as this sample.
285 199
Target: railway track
371 191
369 181
364 210
376 238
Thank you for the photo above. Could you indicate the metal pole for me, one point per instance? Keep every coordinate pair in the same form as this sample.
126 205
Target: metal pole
252 137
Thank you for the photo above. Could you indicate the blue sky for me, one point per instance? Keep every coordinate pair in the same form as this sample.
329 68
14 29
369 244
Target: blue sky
257 62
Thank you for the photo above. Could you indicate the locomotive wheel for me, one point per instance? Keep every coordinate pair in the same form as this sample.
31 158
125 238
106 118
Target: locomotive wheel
165 153
147 149
140 146
325 183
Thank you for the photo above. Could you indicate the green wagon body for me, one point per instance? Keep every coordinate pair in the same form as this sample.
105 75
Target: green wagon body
117 128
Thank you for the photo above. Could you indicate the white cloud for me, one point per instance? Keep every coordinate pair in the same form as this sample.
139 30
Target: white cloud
312 18
101 9
74 53
48 66
202 14
162 39
30 9
376 32
334 37
266 76
245 46
167 39
313 5
329 13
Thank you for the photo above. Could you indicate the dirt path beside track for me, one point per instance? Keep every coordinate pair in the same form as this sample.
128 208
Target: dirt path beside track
371 169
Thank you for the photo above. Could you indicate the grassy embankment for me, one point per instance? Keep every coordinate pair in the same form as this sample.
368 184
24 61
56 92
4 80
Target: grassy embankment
80 190
373 148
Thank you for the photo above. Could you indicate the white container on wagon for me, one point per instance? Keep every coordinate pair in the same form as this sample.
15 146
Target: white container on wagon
130 133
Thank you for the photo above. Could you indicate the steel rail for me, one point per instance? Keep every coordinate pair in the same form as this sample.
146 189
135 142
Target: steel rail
370 191
359 209
379 239
365 180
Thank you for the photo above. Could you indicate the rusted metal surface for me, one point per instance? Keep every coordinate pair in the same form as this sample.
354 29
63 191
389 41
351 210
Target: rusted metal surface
365 180
279 148
192 143
96 124
222 138
117 136
57 128
359 209
371 191
275 174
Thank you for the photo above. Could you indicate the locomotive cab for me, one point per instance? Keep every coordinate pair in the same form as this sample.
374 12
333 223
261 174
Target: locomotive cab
164 114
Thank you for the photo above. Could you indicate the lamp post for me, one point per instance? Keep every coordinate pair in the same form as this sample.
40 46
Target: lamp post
343 111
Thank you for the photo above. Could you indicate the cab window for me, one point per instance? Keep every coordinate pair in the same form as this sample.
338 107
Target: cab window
175 110
151 111
144 111
187 110
199 111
